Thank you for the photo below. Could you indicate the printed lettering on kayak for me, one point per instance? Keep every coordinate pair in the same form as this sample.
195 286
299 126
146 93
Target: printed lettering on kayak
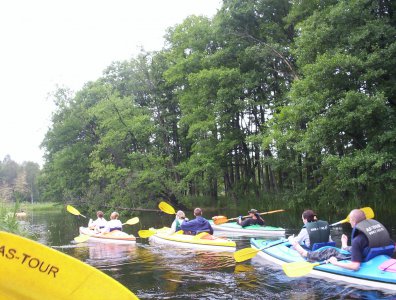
28 261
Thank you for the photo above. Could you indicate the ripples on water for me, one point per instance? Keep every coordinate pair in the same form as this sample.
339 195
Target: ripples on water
164 272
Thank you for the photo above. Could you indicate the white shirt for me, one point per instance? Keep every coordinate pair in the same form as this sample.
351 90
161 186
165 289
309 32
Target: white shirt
112 224
99 223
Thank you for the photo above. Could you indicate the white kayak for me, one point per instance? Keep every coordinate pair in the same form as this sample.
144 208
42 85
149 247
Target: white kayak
234 227
115 236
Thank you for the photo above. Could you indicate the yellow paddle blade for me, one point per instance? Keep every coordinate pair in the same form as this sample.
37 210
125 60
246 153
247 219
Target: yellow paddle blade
146 233
45 273
166 208
368 212
132 221
245 254
74 211
298 268
81 238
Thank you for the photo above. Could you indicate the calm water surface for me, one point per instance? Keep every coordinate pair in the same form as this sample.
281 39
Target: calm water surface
155 272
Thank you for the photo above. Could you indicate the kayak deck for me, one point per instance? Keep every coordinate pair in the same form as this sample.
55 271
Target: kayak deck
115 236
234 227
202 241
369 276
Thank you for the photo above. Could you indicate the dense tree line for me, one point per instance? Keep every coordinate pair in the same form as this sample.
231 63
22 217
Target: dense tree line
272 100
19 182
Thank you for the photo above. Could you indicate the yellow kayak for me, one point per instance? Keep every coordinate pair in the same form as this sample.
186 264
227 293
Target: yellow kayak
32 271
202 240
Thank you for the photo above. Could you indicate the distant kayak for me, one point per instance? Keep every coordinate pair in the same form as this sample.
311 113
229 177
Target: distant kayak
203 240
252 229
371 274
115 236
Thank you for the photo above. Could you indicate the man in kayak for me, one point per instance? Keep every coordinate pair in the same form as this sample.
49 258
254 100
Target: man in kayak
366 234
313 232
199 224
253 219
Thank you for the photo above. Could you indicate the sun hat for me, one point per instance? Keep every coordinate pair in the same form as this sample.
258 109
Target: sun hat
252 211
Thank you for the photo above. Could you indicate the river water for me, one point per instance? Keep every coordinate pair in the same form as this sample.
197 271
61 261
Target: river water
155 272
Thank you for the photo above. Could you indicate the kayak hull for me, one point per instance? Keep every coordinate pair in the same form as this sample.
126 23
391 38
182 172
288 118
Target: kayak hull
234 227
162 236
369 276
116 236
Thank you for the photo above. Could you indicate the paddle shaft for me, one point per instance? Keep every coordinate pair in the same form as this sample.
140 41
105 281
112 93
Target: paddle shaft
263 213
248 253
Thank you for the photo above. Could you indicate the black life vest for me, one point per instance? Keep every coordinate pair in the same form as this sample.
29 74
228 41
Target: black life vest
318 231
376 233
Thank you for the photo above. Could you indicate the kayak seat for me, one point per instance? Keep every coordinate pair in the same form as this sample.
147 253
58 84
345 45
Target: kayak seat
316 246
373 252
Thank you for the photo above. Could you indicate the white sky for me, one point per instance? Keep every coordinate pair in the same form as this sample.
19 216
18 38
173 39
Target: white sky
45 43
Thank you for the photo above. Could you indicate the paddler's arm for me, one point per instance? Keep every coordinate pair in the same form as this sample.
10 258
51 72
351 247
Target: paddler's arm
353 265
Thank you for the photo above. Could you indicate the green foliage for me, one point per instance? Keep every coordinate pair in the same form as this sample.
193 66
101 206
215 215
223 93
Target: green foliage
271 103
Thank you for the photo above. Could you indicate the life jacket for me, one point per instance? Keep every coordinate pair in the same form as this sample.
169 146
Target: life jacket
377 236
115 228
319 232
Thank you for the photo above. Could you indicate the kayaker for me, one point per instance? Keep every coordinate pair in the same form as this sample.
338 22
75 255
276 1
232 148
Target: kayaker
366 235
99 223
180 218
113 223
253 219
198 225
313 231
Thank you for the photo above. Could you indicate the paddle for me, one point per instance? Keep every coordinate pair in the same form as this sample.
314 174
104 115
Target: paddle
166 208
248 253
74 211
45 273
367 211
146 233
300 268
223 219
83 237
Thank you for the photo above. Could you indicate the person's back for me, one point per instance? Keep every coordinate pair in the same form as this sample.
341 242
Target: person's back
99 223
113 223
199 224
179 219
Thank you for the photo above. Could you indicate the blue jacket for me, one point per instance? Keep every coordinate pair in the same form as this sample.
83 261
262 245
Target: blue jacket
199 224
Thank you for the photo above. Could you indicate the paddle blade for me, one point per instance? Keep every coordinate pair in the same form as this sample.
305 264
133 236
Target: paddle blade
74 211
45 273
368 212
146 233
166 208
298 268
245 254
81 238
218 220
132 221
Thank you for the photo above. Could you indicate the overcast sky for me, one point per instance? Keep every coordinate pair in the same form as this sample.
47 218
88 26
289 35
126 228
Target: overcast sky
50 43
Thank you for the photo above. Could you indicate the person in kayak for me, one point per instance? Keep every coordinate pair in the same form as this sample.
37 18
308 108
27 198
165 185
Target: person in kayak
367 235
180 218
113 223
253 219
313 231
99 223
198 225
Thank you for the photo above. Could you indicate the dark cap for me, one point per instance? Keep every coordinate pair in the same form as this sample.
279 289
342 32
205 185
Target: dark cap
252 211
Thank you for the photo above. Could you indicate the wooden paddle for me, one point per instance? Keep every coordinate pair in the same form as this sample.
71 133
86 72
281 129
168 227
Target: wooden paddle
74 211
300 268
367 211
248 253
45 273
223 219
83 237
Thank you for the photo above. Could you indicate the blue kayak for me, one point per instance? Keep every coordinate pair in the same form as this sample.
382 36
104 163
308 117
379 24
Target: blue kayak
369 275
